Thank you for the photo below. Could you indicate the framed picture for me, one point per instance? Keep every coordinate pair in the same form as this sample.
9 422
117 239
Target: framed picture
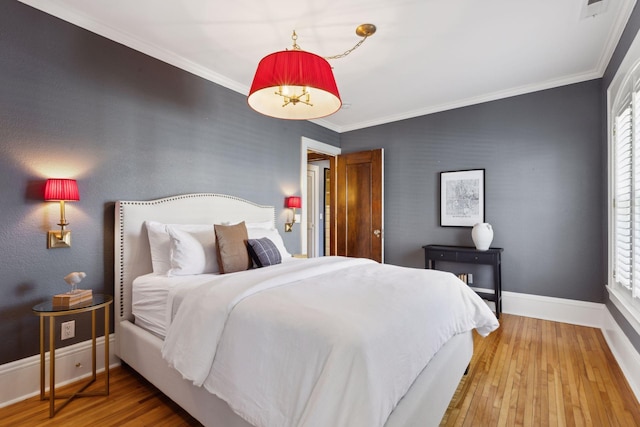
461 198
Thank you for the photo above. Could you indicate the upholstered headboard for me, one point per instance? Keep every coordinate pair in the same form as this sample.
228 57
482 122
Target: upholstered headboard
132 253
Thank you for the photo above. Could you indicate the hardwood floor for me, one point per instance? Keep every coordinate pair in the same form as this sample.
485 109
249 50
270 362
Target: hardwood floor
132 401
529 372
534 372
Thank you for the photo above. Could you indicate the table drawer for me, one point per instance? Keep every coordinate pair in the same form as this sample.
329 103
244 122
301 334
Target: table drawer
441 255
476 257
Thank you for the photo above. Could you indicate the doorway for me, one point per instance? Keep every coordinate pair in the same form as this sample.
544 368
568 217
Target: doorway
318 204
356 202
312 151
314 228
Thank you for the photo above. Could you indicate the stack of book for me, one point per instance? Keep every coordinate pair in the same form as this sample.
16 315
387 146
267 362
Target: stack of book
463 277
71 299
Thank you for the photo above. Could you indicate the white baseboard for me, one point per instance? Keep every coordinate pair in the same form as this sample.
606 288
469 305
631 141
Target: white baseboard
585 314
624 352
24 374
21 379
556 309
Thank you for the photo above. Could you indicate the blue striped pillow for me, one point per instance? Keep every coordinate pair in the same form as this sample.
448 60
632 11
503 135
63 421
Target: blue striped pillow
264 252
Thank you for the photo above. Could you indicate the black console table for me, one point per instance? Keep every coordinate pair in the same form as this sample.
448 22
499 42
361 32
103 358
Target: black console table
469 255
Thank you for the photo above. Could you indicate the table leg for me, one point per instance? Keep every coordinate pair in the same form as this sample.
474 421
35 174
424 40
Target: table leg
498 287
52 366
93 345
42 351
106 348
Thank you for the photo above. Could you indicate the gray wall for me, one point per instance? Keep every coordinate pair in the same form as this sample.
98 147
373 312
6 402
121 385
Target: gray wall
128 127
542 155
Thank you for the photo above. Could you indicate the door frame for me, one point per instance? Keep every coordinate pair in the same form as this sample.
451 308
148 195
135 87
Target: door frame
319 147
313 247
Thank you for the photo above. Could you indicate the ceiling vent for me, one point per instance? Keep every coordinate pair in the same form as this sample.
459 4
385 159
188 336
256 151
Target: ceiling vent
592 8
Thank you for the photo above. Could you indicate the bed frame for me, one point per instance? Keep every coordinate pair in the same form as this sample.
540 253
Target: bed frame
424 404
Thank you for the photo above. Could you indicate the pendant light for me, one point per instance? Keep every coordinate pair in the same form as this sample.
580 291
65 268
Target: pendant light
298 85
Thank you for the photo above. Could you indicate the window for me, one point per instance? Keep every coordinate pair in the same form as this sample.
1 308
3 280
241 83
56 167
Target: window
625 188
623 185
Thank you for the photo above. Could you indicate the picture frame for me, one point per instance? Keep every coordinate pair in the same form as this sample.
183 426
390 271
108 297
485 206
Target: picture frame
462 198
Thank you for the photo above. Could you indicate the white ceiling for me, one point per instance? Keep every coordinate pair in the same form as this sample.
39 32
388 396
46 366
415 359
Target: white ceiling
427 55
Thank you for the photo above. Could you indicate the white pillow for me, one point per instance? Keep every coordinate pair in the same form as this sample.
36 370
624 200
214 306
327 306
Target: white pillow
160 244
192 252
273 235
267 225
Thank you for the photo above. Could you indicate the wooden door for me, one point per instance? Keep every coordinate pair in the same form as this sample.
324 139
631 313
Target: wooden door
358 201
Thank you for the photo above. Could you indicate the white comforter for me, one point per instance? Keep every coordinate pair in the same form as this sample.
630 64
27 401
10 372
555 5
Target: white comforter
327 342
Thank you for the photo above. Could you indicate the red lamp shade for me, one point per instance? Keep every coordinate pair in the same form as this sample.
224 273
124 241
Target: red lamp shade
283 80
62 189
293 202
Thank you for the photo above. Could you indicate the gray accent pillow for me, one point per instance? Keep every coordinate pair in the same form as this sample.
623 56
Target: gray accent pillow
264 252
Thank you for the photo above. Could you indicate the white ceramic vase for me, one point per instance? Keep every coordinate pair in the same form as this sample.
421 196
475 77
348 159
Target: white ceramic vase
482 235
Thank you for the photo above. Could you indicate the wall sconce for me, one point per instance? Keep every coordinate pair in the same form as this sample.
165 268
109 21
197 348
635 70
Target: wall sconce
62 190
292 202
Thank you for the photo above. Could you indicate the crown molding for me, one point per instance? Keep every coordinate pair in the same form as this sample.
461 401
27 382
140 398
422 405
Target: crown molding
58 9
467 102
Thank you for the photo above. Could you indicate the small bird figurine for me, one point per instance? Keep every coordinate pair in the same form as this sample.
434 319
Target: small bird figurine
74 278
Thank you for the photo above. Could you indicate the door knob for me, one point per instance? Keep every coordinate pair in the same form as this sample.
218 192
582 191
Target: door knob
377 233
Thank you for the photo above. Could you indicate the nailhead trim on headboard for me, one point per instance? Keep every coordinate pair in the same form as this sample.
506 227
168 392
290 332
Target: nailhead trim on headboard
124 204
122 260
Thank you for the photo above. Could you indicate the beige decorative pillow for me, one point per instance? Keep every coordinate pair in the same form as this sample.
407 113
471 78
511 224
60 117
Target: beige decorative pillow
232 247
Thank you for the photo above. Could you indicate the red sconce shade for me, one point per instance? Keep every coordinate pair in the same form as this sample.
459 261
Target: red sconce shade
293 202
283 80
62 189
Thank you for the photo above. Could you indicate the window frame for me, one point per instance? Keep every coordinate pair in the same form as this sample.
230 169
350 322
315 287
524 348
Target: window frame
619 97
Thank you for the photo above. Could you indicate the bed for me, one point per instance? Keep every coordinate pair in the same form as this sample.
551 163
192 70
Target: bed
422 403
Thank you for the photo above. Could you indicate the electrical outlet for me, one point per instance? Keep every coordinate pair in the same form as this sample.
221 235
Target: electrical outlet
469 278
68 330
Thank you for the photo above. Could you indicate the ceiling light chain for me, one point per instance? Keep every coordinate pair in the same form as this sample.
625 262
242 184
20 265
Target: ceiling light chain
364 31
347 52
294 37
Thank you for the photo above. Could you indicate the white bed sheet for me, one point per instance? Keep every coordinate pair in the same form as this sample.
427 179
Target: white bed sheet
262 337
151 292
149 298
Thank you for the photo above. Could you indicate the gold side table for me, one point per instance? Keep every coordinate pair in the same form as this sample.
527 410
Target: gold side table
47 309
